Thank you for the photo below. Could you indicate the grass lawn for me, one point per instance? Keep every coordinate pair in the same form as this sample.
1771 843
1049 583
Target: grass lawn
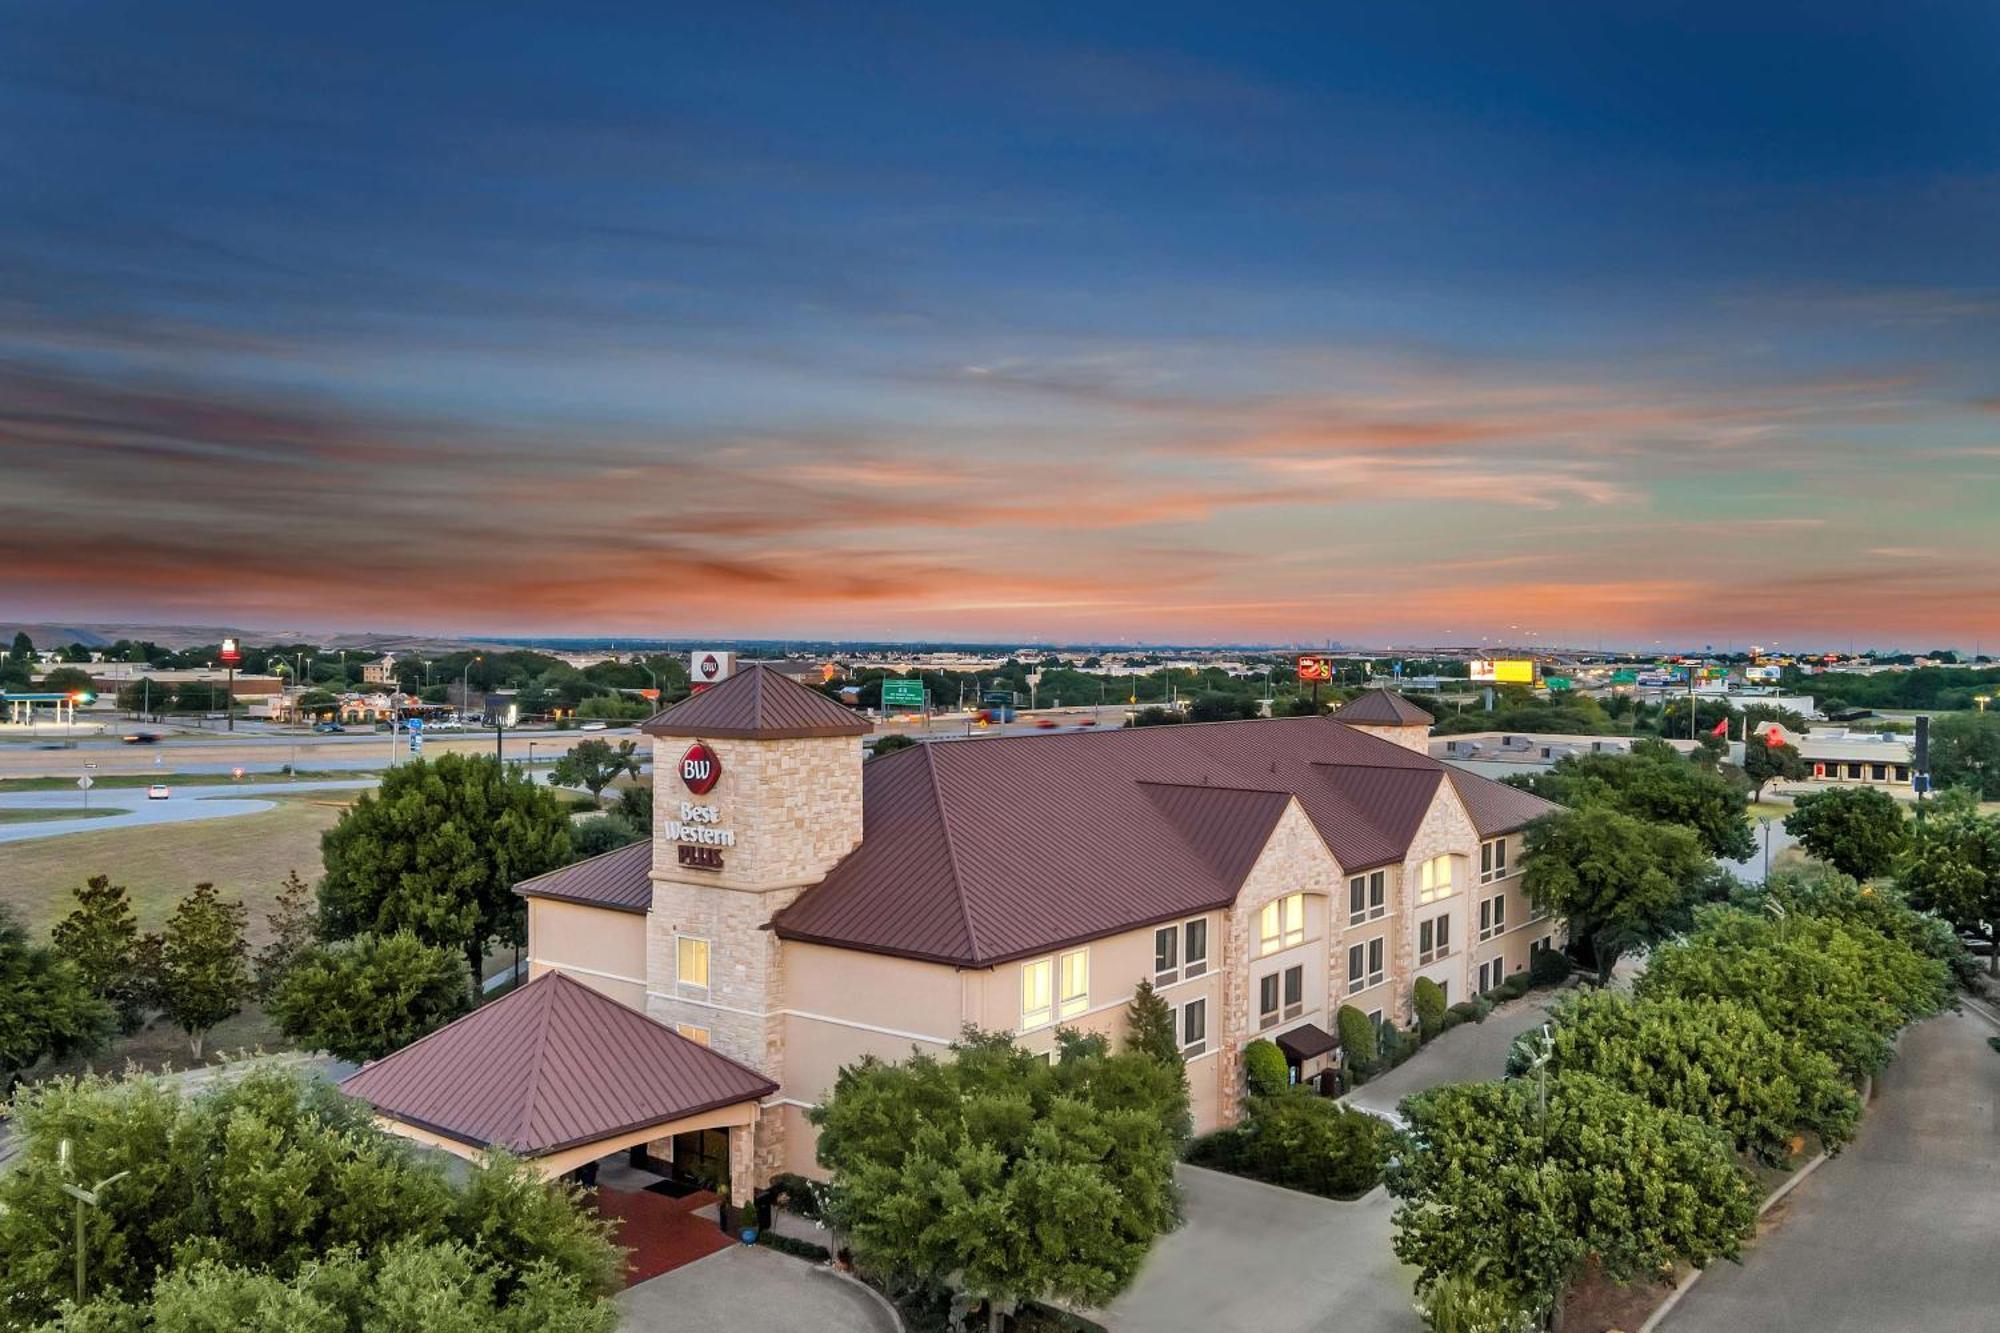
42 816
246 856
182 779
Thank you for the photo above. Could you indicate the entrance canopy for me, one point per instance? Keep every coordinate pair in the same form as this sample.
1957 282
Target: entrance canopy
1305 1041
558 1073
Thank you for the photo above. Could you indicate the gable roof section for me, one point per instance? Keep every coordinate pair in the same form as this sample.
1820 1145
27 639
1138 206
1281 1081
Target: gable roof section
1382 708
1495 807
620 879
551 1066
756 703
979 852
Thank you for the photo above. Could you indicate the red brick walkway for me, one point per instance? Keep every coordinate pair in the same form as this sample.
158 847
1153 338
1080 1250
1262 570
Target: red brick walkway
662 1233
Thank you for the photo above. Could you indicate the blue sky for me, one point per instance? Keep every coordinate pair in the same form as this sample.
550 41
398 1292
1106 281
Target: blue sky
1376 323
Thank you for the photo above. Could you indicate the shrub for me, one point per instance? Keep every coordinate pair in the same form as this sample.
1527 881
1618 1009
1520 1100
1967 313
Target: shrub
800 1195
1430 1008
602 833
1357 1036
1467 1011
1265 1070
1397 1045
798 1249
1513 988
1314 1144
1549 967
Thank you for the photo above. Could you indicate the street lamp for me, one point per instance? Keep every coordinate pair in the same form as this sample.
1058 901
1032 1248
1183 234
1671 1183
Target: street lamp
83 1197
1982 700
465 688
531 761
1765 820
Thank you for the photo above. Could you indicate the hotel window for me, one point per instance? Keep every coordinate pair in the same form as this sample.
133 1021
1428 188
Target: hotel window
1281 995
1196 952
1879 771
1366 897
1492 860
1037 985
1364 965
691 961
1295 991
1489 975
1433 938
1267 1000
1854 770
1075 982
1194 1027
1492 916
1282 923
694 1034
1434 879
1166 955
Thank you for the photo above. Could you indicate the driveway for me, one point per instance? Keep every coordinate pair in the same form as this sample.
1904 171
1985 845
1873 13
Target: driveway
1898 1231
1253 1258
1469 1053
750 1287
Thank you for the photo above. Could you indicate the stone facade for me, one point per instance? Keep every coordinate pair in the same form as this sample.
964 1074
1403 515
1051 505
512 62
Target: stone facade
1416 738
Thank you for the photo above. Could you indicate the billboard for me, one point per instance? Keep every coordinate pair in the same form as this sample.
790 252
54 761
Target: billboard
1767 673
1315 669
709 666
231 654
1504 671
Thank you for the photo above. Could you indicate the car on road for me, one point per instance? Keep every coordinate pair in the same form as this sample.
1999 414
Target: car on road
159 791
1086 722
141 738
1046 722
329 729
445 724
591 726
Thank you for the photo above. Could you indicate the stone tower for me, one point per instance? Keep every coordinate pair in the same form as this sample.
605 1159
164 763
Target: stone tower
1389 715
756 796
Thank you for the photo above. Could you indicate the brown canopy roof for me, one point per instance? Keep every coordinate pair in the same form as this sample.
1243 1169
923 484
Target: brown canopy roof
550 1066
979 852
756 703
1306 1041
620 879
1382 708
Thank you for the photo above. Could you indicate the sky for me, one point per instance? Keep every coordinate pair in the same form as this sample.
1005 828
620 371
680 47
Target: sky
1554 323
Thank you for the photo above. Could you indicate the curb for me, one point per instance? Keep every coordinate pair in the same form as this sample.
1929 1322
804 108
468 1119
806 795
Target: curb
1687 1281
888 1307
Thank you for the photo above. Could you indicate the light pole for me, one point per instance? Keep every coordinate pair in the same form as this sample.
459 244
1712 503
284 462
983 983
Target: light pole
531 761
465 688
1765 820
83 1197
1982 700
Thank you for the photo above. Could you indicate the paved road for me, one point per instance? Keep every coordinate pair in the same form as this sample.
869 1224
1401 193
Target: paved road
750 1287
1253 1258
1898 1232
187 803
1469 1053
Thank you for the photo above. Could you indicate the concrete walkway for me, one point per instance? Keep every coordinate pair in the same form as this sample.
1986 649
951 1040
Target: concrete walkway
1469 1053
1254 1258
749 1287
1898 1231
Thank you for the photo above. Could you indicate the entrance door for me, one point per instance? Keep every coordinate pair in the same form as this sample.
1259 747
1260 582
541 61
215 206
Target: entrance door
701 1160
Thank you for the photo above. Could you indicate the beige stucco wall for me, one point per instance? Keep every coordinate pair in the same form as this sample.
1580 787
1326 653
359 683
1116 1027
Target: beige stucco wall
603 949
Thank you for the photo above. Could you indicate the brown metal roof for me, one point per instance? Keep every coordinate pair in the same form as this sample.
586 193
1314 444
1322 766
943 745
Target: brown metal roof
550 1066
1382 708
1306 1041
978 852
756 703
1495 807
620 879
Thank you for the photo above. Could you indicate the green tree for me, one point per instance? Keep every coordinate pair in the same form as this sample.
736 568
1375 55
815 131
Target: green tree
362 998
47 1008
1149 1025
891 743
951 1174
276 1181
1965 751
1764 763
68 679
101 936
600 834
1712 1059
1265 1072
1824 892
1655 783
635 806
1952 867
436 850
1311 1143
594 765
1218 707
293 925
1494 1182
1358 1043
1622 882
203 974
1430 1006
1858 830
23 649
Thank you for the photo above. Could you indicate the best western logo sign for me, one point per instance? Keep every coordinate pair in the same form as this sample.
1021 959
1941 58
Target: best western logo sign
700 768
700 841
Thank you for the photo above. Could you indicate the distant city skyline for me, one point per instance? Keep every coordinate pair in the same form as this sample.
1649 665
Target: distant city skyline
1052 323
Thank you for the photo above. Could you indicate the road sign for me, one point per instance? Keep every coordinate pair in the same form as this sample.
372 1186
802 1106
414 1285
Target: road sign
86 782
417 744
902 694
1556 682
414 724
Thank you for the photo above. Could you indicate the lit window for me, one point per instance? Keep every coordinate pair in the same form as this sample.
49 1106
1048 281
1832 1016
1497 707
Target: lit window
694 1034
1166 955
1196 952
1037 983
1194 1027
1282 923
1434 879
691 961
1075 982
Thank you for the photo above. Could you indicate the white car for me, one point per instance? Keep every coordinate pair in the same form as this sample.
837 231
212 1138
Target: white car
592 726
158 792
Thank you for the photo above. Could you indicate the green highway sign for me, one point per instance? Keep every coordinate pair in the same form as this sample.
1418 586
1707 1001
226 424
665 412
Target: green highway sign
902 694
1623 676
1556 682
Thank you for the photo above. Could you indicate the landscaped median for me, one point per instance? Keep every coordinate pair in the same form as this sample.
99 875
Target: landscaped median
1641 1134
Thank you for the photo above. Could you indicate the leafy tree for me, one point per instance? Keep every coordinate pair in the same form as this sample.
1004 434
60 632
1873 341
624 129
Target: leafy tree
594 765
272 1202
23 649
1712 1059
1952 867
1493 1184
601 834
1303 1141
1965 751
1265 1072
1216 707
436 850
363 998
1837 986
1622 882
68 679
1858 830
101 936
997 1177
1824 892
1430 1006
1462 1303
1764 763
1358 1043
890 743
1655 783
293 922
1149 1025
1154 716
203 976
47 1007
635 805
